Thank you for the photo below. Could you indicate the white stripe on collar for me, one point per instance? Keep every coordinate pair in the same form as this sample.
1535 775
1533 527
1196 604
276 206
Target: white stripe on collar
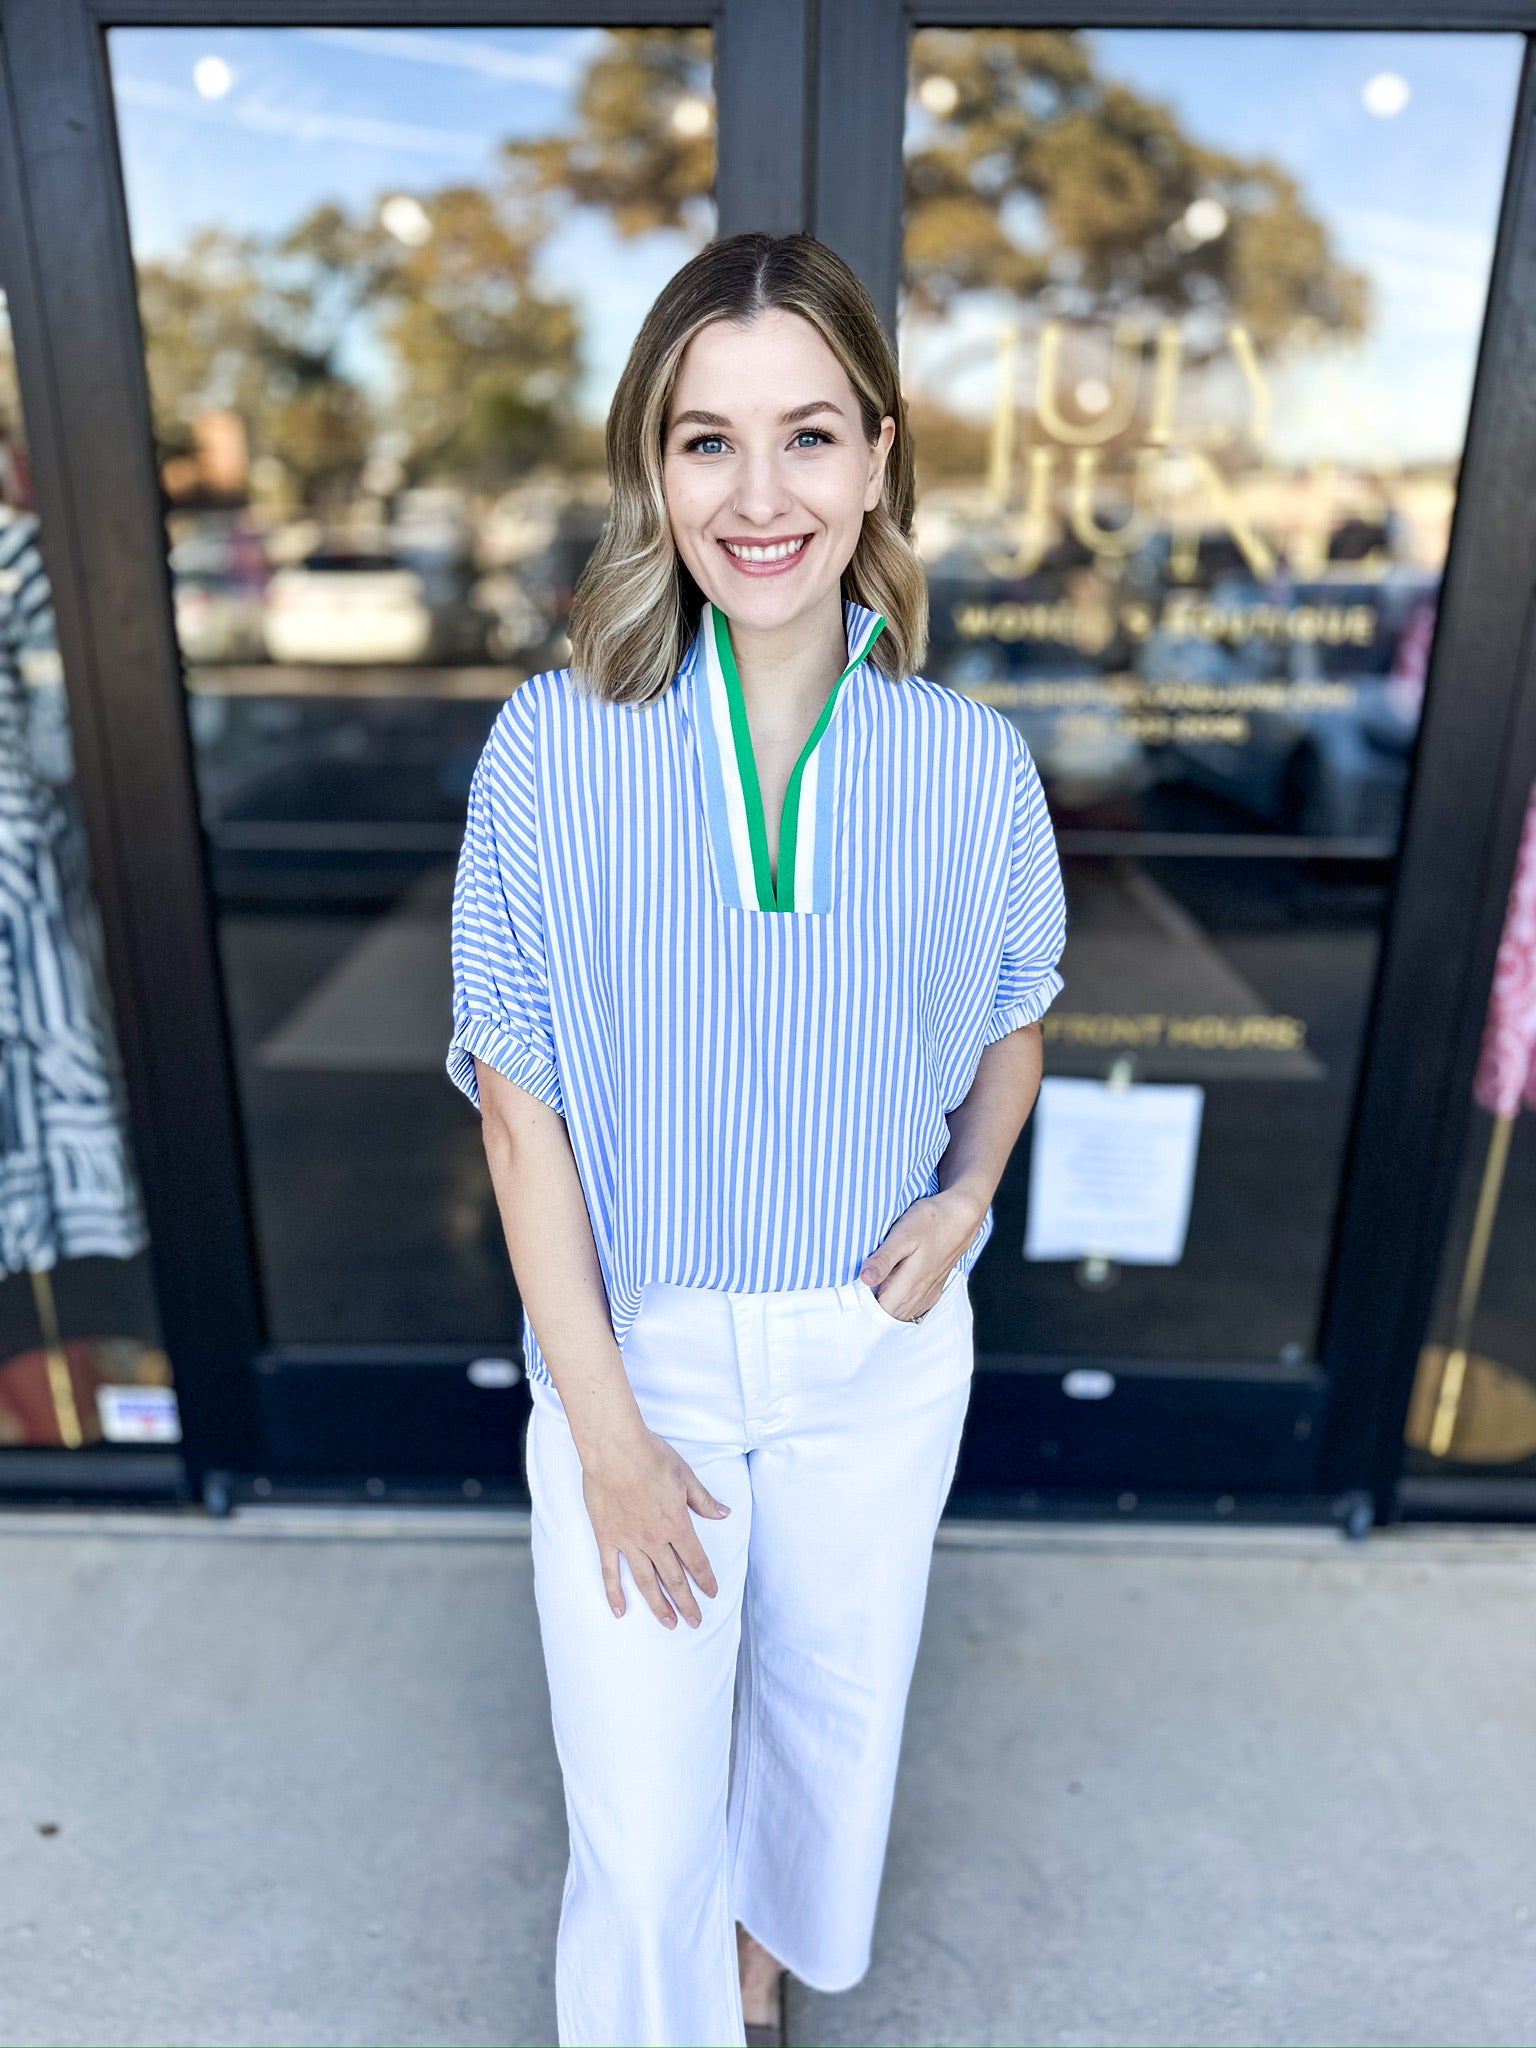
733 803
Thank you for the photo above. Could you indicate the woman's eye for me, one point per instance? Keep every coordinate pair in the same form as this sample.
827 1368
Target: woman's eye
697 443
815 433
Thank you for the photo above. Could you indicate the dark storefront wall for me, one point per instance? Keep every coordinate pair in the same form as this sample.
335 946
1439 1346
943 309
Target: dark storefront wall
1282 888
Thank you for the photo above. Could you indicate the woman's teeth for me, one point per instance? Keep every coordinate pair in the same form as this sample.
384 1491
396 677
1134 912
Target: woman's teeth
778 552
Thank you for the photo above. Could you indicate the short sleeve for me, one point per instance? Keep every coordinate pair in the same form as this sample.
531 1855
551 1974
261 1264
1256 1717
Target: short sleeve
1034 911
501 1006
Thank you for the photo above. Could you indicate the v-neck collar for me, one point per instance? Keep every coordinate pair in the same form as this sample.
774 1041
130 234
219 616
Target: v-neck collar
732 794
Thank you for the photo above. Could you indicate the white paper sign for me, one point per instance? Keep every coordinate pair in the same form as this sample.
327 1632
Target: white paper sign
1112 1171
139 1415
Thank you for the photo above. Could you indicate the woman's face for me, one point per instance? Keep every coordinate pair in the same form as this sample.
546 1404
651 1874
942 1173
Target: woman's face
766 469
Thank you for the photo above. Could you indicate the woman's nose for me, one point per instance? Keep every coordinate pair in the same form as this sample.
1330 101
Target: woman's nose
762 493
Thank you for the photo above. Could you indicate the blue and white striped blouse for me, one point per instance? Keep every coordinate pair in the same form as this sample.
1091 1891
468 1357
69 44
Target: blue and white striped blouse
754 1067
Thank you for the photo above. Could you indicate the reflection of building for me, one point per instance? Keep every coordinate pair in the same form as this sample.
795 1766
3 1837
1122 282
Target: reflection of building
216 470
1206 511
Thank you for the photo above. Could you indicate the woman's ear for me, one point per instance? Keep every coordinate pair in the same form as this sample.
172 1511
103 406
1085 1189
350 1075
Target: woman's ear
879 451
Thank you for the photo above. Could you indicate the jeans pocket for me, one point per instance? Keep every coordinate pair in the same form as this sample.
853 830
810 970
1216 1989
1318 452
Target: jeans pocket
954 1282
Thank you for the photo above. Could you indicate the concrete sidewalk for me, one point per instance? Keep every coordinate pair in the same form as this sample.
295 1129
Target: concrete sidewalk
289 1779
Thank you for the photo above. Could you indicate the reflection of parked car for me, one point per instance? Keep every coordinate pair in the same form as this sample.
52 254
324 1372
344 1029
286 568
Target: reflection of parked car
216 619
519 625
1328 771
351 605
218 573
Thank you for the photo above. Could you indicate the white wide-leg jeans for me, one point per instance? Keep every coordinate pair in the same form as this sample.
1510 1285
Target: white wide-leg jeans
744 1770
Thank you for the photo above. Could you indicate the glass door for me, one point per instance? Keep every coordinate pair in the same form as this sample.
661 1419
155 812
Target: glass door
1189 322
386 280
1200 328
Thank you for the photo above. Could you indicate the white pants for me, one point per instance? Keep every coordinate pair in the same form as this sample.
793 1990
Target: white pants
744 1770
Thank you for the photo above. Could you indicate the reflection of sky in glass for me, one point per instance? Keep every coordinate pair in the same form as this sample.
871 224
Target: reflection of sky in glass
352 114
1411 199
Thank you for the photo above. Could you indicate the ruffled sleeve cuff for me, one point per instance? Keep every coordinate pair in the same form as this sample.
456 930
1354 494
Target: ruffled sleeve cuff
1028 1008
510 1052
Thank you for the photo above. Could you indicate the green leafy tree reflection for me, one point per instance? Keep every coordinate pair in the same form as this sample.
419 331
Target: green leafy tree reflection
1036 175
643 147
483 361
1032 176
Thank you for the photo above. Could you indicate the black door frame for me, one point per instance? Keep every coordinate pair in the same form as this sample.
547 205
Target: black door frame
811 94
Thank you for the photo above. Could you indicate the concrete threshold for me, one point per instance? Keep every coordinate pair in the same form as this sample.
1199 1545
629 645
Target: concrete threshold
365 1524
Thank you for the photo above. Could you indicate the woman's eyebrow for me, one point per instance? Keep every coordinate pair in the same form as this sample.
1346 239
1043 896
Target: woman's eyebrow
718 419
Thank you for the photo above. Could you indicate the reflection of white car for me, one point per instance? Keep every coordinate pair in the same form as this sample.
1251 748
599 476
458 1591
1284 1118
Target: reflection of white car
217 619
517 623
339 606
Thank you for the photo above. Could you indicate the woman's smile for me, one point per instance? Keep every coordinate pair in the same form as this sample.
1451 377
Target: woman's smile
765 557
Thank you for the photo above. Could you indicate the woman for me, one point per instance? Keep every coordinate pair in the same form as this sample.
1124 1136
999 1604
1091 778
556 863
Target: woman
752 931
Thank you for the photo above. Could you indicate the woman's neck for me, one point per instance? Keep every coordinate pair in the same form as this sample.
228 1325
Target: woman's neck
787 672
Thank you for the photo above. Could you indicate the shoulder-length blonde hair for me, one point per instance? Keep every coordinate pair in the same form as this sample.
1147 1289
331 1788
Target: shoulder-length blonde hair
636 608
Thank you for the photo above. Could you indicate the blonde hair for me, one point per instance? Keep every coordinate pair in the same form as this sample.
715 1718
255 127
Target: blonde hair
636 608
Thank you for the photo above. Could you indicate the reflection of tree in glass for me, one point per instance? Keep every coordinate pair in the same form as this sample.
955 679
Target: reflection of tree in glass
236 322
1035 175
1031 177
488 362
644 149
481 363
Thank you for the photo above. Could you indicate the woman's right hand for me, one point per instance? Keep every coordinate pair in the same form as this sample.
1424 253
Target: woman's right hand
639 1499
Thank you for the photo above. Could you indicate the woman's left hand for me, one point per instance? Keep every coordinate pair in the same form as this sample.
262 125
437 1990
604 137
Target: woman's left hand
918 1252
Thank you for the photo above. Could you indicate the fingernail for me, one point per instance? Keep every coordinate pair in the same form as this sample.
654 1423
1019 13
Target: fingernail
693 1623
